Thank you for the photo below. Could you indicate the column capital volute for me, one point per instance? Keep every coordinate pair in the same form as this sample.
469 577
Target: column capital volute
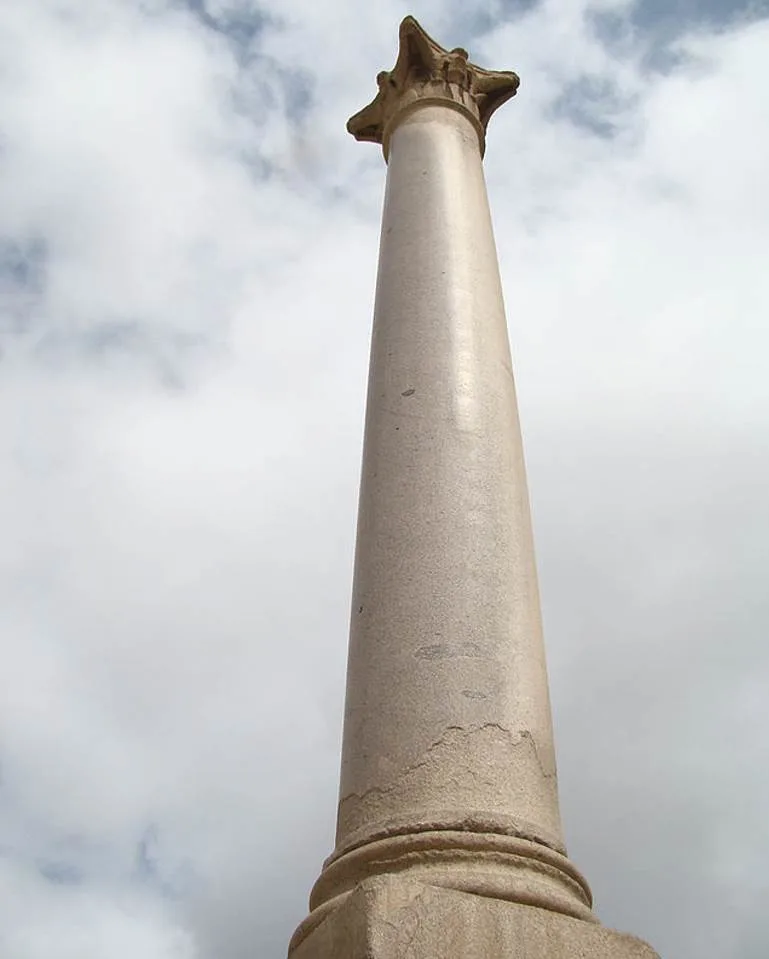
425 72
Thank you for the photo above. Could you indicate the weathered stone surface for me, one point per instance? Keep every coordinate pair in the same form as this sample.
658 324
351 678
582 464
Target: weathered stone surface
426 72
487 864
393 918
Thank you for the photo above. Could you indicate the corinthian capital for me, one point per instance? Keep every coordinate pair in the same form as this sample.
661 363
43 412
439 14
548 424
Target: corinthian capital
426 72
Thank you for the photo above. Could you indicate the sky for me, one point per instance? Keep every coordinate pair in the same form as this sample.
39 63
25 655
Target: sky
188 245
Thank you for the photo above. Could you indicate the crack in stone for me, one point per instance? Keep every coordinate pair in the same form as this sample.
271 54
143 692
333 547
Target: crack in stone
516 739
405 928
549 772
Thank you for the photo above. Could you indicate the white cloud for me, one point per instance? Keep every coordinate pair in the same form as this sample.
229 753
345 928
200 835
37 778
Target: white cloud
181 393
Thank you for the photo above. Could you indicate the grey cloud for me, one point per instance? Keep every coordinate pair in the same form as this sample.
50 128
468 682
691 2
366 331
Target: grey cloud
175 563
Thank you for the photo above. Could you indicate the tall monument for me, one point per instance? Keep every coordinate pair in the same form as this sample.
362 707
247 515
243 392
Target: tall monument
449 842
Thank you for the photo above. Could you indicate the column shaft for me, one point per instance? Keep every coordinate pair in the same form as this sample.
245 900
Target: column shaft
447 719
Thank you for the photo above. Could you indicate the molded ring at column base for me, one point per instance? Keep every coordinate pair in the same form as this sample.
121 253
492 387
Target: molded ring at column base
445 820
493 866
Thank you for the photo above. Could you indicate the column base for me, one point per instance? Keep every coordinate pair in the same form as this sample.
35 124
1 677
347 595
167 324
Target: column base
489 865
394 917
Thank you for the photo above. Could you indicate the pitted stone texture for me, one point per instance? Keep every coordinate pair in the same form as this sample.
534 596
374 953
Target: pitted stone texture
473 754
391 918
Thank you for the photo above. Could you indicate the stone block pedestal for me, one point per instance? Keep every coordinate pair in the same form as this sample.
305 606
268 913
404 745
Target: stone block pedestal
395 918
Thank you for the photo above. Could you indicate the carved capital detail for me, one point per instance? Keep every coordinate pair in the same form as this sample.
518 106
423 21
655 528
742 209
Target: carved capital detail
425 72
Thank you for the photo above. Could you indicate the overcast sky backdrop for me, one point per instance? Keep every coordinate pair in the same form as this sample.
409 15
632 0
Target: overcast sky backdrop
188 243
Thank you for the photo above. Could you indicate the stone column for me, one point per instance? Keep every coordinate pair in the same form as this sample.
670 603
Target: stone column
448 769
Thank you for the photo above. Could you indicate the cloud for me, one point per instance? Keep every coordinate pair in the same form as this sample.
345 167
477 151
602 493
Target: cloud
187 262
